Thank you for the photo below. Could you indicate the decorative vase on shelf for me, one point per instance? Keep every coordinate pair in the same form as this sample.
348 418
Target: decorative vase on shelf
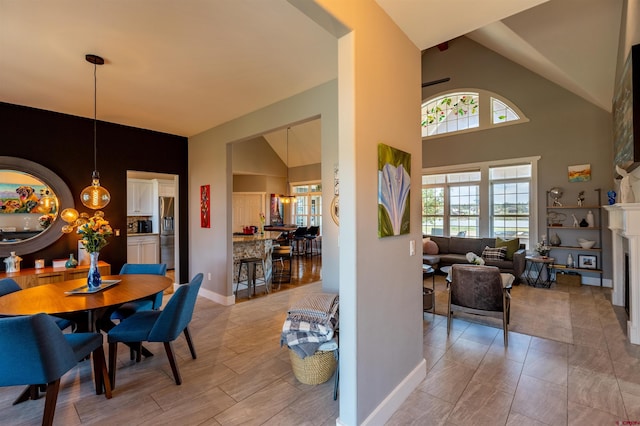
94 280
590 220
554 240
71 263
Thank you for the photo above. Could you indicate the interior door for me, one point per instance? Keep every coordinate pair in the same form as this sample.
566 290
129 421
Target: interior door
246 210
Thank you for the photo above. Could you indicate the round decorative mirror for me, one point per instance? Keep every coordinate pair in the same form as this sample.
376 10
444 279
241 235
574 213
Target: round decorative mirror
31 199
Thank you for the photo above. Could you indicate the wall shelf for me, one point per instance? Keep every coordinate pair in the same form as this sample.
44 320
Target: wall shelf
568 232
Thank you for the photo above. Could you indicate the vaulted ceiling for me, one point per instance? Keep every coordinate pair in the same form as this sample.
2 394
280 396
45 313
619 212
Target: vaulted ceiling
182 67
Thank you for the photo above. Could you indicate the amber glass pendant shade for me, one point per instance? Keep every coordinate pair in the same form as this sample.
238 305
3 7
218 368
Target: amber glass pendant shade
95 196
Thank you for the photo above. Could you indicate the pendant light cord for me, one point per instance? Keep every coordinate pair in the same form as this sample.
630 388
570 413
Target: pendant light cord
95 119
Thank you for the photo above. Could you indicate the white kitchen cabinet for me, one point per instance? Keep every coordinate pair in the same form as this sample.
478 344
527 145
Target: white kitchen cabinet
139 197
166 188
143 249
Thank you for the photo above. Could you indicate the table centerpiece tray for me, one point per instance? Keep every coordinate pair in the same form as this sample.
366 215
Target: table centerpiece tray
86 290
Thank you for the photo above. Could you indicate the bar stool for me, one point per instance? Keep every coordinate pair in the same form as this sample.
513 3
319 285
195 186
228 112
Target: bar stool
251 264
282 254
298 238
311 238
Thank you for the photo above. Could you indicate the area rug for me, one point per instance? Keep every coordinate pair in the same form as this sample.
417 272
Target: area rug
539 312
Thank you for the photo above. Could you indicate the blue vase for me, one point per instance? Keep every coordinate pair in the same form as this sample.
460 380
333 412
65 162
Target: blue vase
71 263
94 280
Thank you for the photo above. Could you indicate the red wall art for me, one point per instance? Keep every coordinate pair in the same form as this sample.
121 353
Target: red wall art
205 206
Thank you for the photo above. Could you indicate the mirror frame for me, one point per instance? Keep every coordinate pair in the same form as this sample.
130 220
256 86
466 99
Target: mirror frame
59 188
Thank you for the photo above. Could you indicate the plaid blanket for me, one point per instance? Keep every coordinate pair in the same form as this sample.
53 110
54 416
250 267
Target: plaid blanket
315 308
305 337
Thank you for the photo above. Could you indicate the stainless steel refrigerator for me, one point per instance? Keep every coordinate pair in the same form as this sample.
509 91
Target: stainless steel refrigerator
167 251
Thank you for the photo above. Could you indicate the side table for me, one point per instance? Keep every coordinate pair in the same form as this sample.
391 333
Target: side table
429 294
534 271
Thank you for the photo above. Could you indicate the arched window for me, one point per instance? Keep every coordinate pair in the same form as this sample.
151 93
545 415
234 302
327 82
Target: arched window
467 110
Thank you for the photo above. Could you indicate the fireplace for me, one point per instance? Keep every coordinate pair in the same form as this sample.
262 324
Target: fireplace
626 283
624 222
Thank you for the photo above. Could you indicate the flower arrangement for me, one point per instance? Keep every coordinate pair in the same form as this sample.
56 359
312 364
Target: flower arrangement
46 220
542 248
262 218
95 232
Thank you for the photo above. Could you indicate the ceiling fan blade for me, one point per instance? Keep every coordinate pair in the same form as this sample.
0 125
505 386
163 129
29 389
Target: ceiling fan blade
431 83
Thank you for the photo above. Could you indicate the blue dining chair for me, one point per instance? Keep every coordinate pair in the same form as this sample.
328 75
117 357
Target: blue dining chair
8 285
158 326
35 352
146 304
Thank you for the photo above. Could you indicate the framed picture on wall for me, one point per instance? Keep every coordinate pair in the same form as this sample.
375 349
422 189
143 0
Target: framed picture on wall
626 118
394 189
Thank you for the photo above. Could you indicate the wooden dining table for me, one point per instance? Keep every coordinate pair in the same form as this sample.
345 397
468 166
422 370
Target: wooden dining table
52 298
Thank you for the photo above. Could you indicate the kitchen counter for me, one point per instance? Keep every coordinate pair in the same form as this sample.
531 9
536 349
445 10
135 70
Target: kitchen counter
140 234
252 246
268 235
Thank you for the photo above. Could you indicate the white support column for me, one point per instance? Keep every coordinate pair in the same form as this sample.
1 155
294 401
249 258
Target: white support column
633 325
624 222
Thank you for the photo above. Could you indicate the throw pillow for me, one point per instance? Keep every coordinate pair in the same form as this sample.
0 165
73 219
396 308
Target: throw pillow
430 247
494 253
511 245
425 240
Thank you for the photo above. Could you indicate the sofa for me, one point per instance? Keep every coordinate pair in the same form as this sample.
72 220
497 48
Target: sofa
452 250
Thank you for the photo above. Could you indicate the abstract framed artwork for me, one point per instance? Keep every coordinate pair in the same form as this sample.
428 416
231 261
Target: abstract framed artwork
579 173
205 206
394 189
626 117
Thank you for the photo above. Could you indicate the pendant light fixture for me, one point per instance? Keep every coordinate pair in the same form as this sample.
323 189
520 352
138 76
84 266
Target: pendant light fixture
287 199
95 196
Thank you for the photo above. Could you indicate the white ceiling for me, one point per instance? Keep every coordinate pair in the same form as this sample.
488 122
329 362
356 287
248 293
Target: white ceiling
182 67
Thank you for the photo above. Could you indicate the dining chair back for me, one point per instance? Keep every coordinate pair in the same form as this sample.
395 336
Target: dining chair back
158 326
35 352
146 304
176 316
9 285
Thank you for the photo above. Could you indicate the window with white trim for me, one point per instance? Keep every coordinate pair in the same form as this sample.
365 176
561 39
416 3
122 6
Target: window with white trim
478 200
465 111
308 206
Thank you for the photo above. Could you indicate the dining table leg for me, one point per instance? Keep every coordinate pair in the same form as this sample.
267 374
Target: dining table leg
30 392
103 322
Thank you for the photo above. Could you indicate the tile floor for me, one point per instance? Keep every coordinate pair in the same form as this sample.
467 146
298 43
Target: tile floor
242 376
473 379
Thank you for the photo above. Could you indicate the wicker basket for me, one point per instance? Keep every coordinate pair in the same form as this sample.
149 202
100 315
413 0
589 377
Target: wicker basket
314 369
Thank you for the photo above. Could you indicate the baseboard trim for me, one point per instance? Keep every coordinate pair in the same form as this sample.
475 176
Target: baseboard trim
215 297
394 400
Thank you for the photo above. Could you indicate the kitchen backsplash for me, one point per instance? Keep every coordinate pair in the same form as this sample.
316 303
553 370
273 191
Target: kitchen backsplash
132 223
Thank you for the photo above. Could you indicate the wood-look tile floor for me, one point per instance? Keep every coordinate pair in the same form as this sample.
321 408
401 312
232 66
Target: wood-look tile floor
473 379
242 376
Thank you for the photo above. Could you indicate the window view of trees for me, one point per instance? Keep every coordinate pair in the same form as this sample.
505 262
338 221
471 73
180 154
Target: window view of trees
452 202
308 207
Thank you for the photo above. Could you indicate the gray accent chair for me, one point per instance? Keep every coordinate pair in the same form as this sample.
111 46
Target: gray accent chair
478 290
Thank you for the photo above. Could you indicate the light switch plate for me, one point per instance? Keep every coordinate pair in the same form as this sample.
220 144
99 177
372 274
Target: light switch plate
412 247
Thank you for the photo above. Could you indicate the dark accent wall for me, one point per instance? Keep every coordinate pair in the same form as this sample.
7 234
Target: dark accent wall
64 144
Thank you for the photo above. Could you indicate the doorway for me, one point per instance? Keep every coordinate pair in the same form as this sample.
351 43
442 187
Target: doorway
157 188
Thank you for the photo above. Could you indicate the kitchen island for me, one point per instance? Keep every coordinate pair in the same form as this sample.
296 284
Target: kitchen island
257 245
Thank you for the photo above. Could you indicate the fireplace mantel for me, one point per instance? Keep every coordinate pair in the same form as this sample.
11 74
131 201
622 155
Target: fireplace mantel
624 223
